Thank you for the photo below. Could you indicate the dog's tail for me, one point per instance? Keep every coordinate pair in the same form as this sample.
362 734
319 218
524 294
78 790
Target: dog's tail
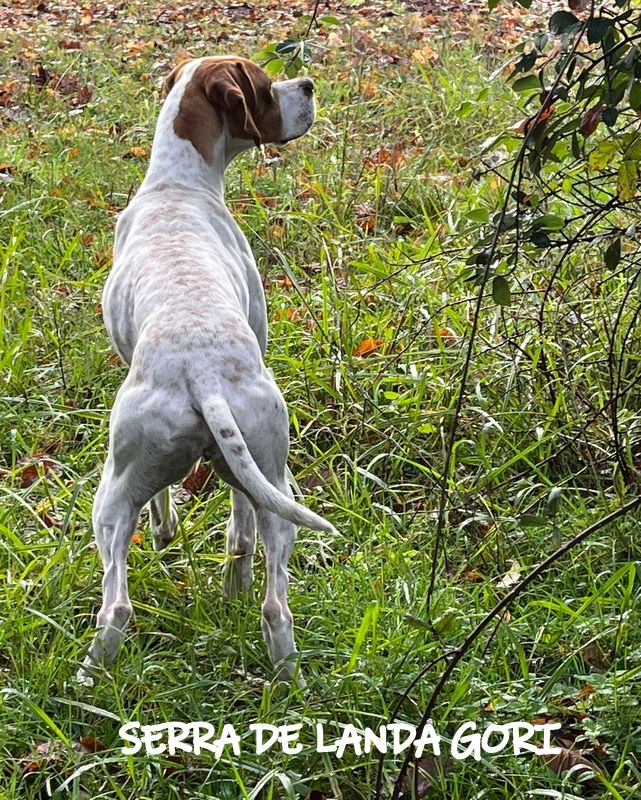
240 461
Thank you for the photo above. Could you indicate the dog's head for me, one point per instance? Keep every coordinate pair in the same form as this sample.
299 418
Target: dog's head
234 98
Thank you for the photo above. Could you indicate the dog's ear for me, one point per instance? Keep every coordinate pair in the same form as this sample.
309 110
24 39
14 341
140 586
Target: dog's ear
173 76
229 87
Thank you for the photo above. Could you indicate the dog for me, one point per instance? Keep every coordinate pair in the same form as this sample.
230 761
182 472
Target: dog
184 308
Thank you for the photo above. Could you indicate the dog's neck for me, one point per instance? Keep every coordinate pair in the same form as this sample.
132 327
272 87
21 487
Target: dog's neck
175 160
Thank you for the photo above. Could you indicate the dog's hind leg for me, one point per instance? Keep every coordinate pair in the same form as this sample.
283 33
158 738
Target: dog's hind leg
163 518
241 541
278 536
114 523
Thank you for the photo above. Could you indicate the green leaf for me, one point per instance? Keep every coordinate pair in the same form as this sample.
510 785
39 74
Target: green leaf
287 46
267 54
526 83
597 28
465 109
627 181
540 239
446 621
632 147
635 96
478 215
274 66
549 222
501 293
612 255
492 4
526 62
293 67
508 223
328 19
602 155
541 40
563 22
532 521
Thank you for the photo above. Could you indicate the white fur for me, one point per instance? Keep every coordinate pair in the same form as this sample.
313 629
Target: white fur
185 309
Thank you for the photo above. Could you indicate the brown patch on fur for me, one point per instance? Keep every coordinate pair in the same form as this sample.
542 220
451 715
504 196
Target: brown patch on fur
173 76
234 90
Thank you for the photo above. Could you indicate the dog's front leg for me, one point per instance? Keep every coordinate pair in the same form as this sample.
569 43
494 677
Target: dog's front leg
241 541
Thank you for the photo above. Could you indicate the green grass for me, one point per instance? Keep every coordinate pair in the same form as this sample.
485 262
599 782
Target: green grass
349 251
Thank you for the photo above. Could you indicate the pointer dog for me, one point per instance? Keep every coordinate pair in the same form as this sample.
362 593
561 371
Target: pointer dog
184 308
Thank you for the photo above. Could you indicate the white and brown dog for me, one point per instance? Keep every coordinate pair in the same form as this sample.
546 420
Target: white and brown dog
184 308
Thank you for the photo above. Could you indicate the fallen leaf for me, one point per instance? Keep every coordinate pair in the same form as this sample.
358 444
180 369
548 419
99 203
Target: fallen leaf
431 771
41 78
49 521
284 281
29 468
425 55
365 217
92 745
572 762
199 479
446 334
136 152
83 96
472 575
395 157
367 347
585 691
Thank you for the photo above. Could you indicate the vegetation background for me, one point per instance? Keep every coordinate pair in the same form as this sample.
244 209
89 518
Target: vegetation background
452 283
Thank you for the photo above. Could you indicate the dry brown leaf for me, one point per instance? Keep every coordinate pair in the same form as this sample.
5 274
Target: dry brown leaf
365 217
367 347
29 468
539 120
591 119
426 55
394 157
83 96
585 691
431 771
571 761
283 281
91 744
136 152
199 479
472 575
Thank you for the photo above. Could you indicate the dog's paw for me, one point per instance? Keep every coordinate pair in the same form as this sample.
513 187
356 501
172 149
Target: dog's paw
84 677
